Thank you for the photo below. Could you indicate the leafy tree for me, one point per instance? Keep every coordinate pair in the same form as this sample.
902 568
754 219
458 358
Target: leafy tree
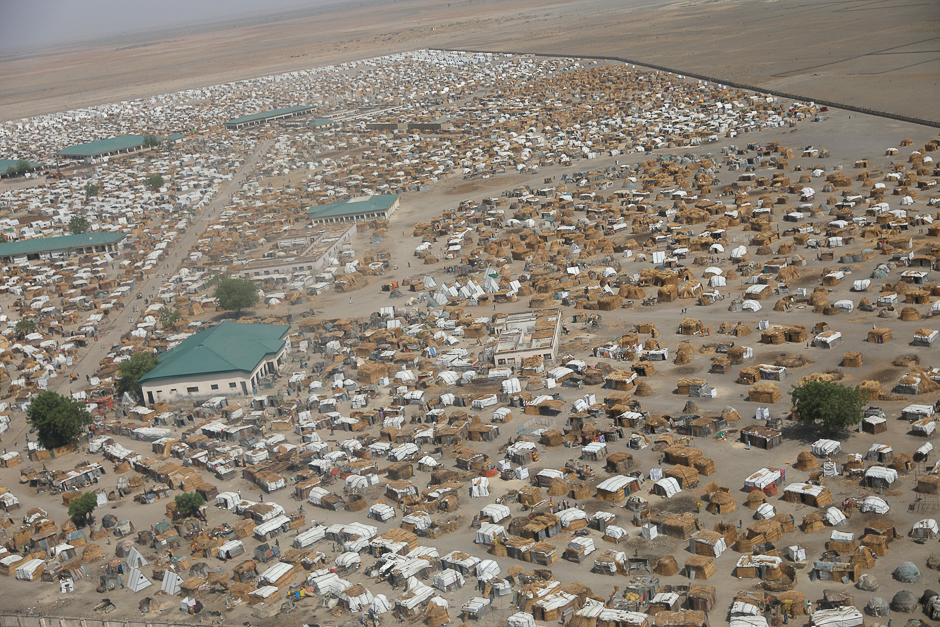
79 224
58 420
188 503
151 141
833 406
155 181
23 328
19 168
92 189
236 294
169 318
131 370
82 507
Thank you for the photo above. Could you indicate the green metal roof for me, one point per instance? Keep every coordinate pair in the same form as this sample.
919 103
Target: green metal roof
321 122
364 204
228 347
264 115
6 164
121 142
64 242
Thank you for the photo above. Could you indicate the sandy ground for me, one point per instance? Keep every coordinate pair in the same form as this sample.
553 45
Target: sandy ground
847 139
880 55
823 50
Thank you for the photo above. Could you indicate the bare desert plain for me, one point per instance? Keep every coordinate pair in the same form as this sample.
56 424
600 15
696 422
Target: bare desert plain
690 252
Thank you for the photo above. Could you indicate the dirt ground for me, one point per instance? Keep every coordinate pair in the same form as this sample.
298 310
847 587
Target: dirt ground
847 138
878 55
823 50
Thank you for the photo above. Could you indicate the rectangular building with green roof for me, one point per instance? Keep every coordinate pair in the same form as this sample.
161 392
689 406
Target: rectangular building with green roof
361 209
256 119
120 145
229 359
64 245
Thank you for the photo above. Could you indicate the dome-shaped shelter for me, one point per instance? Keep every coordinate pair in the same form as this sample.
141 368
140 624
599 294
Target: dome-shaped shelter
907 572
721 502
867 583
806 461
904 601
755 499
643 389
877 607
666 566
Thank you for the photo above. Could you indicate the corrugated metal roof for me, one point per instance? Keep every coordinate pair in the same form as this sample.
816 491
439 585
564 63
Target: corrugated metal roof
228 347
264 115
102 146
64 242
367 204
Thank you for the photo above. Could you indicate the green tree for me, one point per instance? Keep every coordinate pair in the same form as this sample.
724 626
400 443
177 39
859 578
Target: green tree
188 503
236 294
131 370
23 328
833 406
20 168
92 189
169 318
81 508
78 224
151 141
58 420
155 181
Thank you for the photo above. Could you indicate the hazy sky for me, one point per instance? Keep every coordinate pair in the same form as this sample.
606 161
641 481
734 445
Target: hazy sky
43 22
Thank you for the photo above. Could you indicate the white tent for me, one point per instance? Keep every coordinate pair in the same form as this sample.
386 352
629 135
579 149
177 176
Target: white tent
751 305
136 580
835 517
930 527
134 559
171 583
824 448
669 486
480 487
487 569
488 532
874 505
380 604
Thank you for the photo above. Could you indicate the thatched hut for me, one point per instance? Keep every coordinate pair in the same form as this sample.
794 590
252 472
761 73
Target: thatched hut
852 359
755 499
721 502
666 566
806 461
910 314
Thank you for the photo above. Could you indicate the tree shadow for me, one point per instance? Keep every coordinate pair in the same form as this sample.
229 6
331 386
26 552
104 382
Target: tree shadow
807 433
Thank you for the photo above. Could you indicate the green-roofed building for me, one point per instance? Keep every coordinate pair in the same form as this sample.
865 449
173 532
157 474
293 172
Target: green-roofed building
6 164
361 209
59 247
120 145
262 117
229 359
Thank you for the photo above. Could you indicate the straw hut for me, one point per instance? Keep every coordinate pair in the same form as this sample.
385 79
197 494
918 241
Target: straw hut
755 498
852 359
806 461
764 393
643 389
691 326
811 523
666 566
742 330
910 314
863 557
721 502
879 336
793 602
686 477
699 567
730 414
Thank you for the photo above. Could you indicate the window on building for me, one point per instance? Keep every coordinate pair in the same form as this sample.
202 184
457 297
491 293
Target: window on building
192 390
232 385
214 386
